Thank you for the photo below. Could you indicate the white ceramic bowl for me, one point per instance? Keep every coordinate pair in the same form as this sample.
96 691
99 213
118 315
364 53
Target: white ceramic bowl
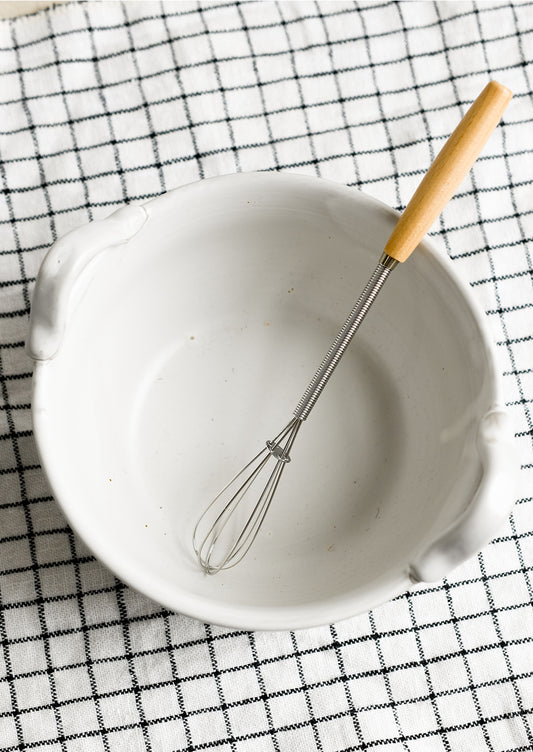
171 340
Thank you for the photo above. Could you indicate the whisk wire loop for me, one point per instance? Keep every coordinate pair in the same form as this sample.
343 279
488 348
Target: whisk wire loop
209 535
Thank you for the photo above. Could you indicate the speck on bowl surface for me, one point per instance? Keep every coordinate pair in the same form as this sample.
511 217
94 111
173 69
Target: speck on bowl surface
179 352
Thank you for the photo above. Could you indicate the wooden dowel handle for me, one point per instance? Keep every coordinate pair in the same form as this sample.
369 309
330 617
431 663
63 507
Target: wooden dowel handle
448 170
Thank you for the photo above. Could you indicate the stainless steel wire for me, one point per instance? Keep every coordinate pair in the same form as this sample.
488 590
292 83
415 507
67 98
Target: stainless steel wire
220 540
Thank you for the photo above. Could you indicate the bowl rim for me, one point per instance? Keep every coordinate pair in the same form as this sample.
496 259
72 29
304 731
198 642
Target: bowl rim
300 616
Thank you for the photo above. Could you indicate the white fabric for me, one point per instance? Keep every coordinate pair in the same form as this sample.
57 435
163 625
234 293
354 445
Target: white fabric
107 103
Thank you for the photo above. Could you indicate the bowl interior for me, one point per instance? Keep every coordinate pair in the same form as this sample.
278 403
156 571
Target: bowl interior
190 346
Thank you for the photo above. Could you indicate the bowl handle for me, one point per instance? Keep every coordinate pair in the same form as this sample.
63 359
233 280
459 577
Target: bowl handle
488 510
61 267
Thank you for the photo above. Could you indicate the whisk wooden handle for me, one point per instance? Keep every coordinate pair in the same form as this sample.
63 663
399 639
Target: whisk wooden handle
448 170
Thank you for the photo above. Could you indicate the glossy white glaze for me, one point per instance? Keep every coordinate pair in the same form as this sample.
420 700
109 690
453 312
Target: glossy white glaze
61 269
187 346
487 511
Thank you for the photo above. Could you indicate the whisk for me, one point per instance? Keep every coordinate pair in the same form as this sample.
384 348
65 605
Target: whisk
219 540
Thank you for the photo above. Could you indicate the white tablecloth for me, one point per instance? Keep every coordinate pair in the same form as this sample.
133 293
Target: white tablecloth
107 103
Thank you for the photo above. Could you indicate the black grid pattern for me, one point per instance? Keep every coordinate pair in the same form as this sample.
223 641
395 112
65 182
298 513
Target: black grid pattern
103 104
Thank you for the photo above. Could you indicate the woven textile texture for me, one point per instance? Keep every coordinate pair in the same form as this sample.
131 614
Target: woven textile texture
103 104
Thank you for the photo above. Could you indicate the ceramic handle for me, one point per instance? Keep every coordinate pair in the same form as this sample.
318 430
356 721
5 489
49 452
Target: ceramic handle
62 266
448 170
488 510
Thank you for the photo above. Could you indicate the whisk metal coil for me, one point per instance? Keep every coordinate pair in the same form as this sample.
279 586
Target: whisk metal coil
345 336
